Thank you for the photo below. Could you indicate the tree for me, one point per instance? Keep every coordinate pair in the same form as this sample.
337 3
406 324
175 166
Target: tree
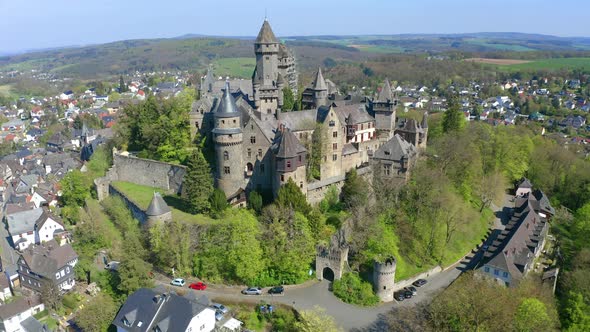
134 273
198 184
316 320
218 201
50 295
531 315
453 118
122 85
288 99
97 314
75 189
354 191
290 195
491 189
255 201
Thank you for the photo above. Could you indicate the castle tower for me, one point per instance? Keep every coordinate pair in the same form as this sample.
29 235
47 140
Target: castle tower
288 68
320 89
384 108
206 83
383 278
424 125
227 138
290 162
264 80
158 210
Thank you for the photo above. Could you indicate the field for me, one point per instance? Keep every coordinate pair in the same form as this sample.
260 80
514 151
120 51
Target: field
497 61
541 64
234 67
5 90
142 196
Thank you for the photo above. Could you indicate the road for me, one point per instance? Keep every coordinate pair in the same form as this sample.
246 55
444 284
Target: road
351 317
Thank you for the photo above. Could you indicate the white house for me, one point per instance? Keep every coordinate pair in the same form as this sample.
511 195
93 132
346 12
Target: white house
17 316
32 227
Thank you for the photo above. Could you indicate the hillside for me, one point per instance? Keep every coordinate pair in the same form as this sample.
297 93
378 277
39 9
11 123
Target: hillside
191 52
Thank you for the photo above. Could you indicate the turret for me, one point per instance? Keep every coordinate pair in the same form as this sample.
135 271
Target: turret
320 89
264 80
227 137
290 161
384 278
384 108
158 210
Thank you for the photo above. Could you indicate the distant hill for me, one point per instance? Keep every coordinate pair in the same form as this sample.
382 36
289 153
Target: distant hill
195 52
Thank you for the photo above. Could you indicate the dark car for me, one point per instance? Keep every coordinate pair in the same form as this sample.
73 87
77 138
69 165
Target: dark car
408 294
420 282
399 296
277 290
412 289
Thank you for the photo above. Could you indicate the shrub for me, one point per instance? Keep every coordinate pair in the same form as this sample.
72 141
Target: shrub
352 289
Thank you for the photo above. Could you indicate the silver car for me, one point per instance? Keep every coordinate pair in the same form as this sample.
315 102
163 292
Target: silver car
252 291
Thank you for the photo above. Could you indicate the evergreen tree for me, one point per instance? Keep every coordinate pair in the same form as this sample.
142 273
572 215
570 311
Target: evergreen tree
218 201
291 196
288 99
453 119
354 191
198 184
122 85
255 201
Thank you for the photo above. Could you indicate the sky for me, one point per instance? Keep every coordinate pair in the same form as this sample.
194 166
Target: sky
38 24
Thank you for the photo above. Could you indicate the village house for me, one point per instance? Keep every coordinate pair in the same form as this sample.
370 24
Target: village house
32 227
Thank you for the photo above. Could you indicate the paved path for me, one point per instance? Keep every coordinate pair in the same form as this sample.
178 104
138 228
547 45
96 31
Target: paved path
351 317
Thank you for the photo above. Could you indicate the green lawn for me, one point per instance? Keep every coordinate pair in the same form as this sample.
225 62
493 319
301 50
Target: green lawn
142 196
234 67
550 64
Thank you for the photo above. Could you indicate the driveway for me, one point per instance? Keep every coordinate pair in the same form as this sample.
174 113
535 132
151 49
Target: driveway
352 317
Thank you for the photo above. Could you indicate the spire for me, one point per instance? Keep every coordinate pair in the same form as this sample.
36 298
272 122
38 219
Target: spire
424 123
289 145
266 35
227 106
157 206
385 94
319 83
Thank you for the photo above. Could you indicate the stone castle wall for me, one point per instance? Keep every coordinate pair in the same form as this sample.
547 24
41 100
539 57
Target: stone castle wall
146 172
136 211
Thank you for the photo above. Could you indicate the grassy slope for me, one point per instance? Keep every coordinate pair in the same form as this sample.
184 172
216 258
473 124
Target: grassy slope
550 64
234 67
142 196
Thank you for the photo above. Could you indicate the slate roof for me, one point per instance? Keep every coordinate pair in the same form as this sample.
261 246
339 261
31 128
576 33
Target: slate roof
157 206
31 325
353 114
266 35
299 120
525 183
288 146
48 258
411 126
395 149
168 311
319 83
18 306
24 221
543 201
227 107
385 94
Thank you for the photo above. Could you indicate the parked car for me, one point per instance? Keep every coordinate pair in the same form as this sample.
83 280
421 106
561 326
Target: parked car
252 291
197 286
220 307
399 296
485 247
420 282
218 315
277 290
412 289
178 282
113 266
408 294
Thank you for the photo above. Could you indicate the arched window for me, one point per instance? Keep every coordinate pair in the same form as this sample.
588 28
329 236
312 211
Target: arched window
225 155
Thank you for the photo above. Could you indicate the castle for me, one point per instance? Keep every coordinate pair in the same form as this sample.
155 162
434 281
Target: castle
260 146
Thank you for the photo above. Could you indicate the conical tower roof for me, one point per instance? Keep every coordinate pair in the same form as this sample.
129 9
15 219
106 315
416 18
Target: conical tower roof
385 94
227 106
319 83
289 145
157 206
266 35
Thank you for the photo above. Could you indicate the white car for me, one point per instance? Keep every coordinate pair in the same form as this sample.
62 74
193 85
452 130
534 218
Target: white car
178 282
113 266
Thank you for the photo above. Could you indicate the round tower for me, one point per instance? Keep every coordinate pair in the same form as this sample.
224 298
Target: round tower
158 210
383 278
227 138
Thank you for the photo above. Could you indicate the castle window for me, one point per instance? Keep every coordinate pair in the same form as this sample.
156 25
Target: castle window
387 170
301 184
230 135
334 146
335 134
332 123
334 157
288 164
267 57
362 126
234 120
268 110
300 158
260 153
249 152
252 127
253 139
226 170
225 155
223 121
282 178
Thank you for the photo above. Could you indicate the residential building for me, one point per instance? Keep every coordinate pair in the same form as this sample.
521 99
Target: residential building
17 315
32 227
154 310
48 263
